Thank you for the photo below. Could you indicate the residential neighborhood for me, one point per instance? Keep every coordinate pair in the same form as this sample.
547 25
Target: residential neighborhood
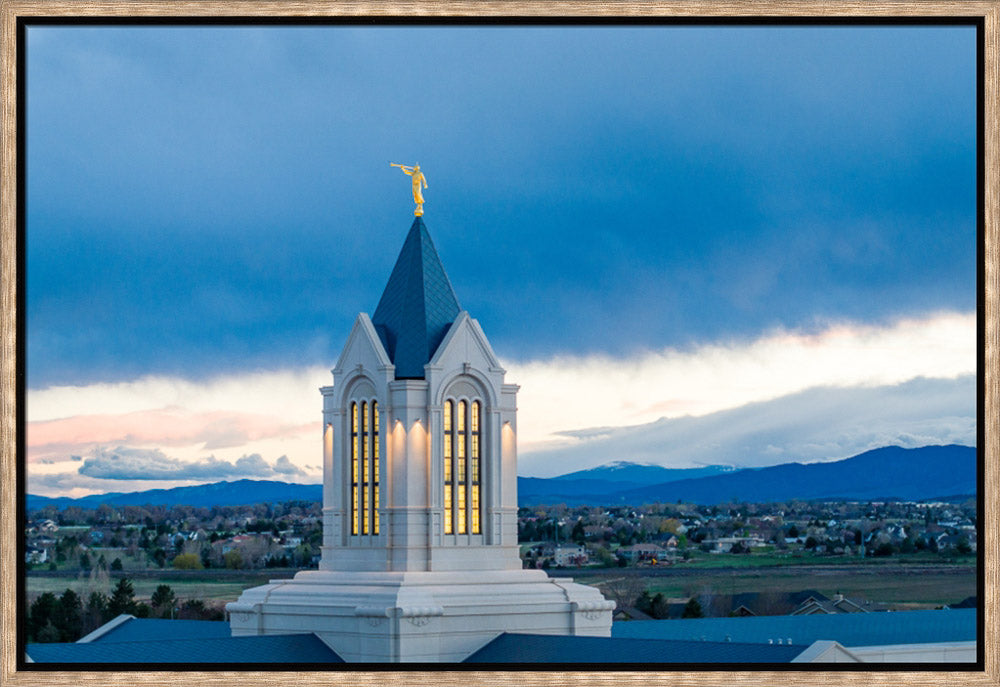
658 534
284 535
659 561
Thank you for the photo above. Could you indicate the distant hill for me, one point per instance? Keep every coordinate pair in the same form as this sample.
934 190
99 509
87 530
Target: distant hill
604 485
640 474
239 493
885 473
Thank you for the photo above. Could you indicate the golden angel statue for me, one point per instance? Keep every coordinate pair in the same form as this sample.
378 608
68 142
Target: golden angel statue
418 181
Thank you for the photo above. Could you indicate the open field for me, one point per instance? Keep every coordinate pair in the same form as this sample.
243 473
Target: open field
910 585
215 585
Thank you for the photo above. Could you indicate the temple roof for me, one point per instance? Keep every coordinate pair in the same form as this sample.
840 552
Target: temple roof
417 307
296 650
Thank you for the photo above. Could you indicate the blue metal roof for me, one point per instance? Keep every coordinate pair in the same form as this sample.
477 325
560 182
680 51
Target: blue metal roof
524 648
152 629
417 306
297 649
849 629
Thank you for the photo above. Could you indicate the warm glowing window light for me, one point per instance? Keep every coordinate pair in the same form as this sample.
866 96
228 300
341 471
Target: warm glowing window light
354 468
448 437
375 466
365 469
474 486
461 466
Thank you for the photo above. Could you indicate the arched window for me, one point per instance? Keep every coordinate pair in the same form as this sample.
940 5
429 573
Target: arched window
449 438
461 439
462 454
354 468
364 467
476 443
375 467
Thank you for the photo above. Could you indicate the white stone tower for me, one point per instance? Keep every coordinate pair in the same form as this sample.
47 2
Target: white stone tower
420 554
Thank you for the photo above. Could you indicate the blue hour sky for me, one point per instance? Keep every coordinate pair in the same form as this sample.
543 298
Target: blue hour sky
212 205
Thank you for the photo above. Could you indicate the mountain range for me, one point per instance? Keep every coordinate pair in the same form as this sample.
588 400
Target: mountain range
892 472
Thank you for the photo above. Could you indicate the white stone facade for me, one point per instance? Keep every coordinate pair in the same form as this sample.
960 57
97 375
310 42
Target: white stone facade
411 532
422 584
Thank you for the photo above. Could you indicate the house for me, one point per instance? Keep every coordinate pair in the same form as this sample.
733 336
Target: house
35 555
838 604
726 544
566 556
642 552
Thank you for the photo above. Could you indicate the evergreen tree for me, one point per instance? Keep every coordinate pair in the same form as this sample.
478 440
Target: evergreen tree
692 609
49 633
96 612
69 617
659 608
42 611
122 599
163 601
645 603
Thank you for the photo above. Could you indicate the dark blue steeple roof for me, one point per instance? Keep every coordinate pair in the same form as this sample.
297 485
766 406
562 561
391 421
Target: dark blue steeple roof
417 306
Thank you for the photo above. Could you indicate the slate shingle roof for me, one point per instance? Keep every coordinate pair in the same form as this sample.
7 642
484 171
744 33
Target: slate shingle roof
524 648
848 629
417 307
151 629
296 649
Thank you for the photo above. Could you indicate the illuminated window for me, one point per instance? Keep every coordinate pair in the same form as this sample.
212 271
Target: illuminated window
365 468
463 467
354 468
475 478
448 437
461 439
375 466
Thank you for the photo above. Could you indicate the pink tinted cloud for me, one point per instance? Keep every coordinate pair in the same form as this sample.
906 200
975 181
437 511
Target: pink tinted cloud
171 426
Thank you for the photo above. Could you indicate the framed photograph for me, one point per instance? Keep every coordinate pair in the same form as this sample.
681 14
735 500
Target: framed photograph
502 342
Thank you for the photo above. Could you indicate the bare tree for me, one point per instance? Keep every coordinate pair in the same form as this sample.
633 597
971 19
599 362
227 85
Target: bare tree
623 590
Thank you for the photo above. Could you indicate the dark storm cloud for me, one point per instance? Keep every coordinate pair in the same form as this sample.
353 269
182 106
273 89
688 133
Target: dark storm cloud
220 198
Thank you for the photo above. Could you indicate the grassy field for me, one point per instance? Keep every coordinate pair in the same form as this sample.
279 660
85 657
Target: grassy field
771 559
221 586
909 586
915 584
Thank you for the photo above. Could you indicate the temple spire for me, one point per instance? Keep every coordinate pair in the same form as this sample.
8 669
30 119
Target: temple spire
417 306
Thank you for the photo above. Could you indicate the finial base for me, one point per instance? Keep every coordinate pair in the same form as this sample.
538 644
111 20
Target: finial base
419 211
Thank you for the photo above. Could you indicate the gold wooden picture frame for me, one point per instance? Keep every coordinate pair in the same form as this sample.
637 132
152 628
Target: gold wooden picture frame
11 11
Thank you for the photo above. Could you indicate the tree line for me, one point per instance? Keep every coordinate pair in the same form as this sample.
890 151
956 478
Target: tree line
67 617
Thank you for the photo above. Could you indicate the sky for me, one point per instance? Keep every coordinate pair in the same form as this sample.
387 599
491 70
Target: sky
737 245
